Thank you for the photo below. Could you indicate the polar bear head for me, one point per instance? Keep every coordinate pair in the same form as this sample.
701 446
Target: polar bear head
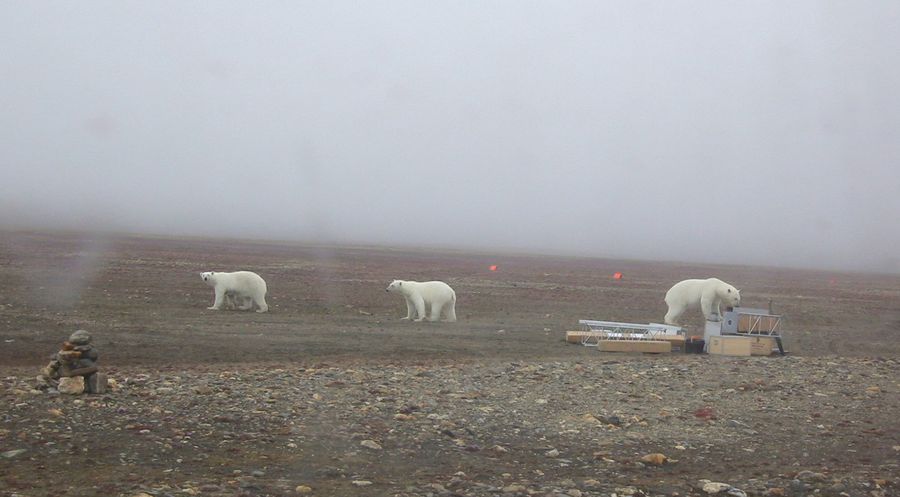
730 295
396 286
209 277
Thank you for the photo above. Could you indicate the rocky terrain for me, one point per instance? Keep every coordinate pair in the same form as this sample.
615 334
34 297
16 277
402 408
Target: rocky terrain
329 394
764 426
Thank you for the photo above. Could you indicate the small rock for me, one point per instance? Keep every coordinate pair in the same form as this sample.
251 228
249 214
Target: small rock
626 491
361 483
838 488
656 459
97 383
12 453
258 473
591 483
552 453
706 413
303 489
513 489
246 482
811 476
370 444
71 386
590 418
612 420
714 487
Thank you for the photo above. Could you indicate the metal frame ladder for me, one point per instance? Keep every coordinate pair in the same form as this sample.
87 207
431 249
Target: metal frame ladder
612 330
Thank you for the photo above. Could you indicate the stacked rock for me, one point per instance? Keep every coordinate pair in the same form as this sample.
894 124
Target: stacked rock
75 367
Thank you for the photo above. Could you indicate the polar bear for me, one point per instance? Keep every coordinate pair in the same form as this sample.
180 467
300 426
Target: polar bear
708 294
436 294
241 288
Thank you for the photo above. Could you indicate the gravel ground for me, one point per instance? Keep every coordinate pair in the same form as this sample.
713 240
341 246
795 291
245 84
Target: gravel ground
329 394
793 425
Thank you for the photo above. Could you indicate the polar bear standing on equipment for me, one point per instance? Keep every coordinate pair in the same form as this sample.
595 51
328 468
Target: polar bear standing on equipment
707 294
435 294
241 288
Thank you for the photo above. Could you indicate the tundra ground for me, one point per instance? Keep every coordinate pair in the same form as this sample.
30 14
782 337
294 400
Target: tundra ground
331 394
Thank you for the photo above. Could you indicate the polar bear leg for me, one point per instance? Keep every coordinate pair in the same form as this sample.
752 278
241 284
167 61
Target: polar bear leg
675 312
436 308
233 301
451 311
409 309
246 303
260 303
228 302
419 303
708 305
220 299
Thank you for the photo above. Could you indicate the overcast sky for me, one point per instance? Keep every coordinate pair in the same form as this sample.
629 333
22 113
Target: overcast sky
738 132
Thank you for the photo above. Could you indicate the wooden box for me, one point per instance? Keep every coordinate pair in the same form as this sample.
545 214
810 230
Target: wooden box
741 345
646 346
677 341
729 345
762 345
579 336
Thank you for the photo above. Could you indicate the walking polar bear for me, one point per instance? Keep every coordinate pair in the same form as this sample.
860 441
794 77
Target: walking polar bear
241 289
707 294
435 294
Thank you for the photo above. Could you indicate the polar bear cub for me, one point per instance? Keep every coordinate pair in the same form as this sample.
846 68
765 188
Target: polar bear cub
435 294
707 294
241 288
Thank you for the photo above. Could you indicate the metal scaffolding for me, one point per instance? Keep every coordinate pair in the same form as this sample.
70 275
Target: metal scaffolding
612 330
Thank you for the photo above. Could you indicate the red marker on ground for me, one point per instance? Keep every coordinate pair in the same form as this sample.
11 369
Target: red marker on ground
617 275
493 267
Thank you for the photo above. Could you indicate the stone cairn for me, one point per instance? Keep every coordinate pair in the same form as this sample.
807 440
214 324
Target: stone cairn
73 369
